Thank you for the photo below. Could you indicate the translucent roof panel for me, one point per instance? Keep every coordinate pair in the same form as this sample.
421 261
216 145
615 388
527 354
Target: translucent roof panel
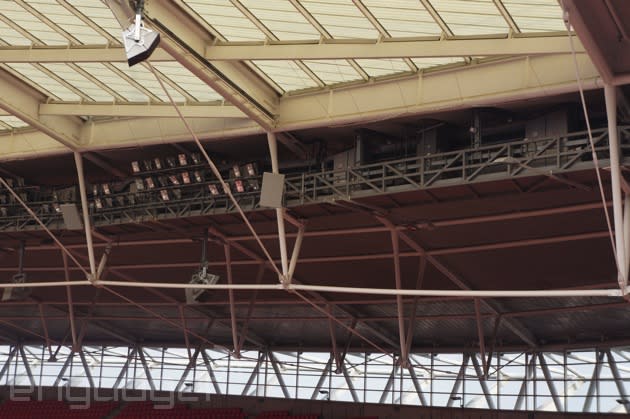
333 71
113 79
341 19
146 79
536 15
39 31
282 19
426 63
286 74
226 19
377 68
10 36
471 17
9 122
100 14
187 81
44 82
404 18
80 82
68 22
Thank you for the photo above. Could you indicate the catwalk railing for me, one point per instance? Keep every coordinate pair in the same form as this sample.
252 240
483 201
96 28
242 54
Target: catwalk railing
593 380
546 157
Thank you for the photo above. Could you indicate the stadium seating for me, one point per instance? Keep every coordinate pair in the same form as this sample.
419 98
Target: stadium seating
52 409
139 410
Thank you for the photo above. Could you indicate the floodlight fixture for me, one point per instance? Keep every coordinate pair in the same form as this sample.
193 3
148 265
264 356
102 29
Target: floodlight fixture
149 182
198 176
236 170
239 185
157 163
164 194
139 41
106 189
186 178
135 167
183 161
213 189
174 180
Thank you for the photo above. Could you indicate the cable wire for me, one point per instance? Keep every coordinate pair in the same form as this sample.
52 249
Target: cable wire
215 170
592 143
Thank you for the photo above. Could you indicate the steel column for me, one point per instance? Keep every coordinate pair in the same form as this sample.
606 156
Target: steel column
458 381
145 366
590 393
27 367
610 94
276 369
125 367
404 355
86 216
282 239
228 267
208 365
86 368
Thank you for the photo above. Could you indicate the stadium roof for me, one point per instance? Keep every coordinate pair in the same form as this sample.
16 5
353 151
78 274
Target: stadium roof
242 67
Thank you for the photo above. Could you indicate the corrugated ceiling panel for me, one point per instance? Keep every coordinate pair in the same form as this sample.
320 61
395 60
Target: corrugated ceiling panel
145 77
12 122
282 19
341 18
226 19
425 63
100 14
536 15
286 74
44 82
377 68
403 18
471 17
114 81
10 36
80 82
187 81
21 17
67 21
333 71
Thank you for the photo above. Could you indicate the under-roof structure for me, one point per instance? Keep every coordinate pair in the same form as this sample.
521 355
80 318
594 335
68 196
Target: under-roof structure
444 191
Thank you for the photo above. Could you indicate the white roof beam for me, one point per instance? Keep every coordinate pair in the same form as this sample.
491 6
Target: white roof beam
391 48
140 110
460 87
123 133
22 101
72 54
184 39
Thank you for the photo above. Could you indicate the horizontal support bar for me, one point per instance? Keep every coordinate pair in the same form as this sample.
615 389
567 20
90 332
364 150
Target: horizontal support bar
140 110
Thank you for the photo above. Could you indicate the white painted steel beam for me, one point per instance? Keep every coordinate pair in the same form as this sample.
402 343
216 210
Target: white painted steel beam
72 54
144 110
461 87
23 102
457 88
389 48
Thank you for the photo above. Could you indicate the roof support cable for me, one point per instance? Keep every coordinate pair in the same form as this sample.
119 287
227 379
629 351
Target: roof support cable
622 274
215 170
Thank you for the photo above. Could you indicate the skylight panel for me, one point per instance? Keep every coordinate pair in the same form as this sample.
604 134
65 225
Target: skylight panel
341 19
471 17
226 19
146 78
67 21
282 19
114 81
383 67
403 18
426 63
21 17
43 82
286 74
12 122
100 14
536 15
80 82
333 71
187 81
12 37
